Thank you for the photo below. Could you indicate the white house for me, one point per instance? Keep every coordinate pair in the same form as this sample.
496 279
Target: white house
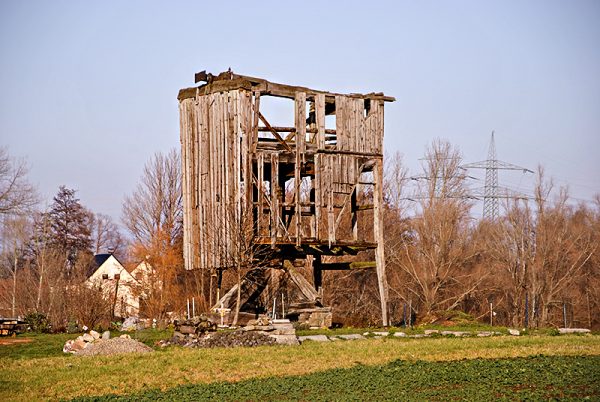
143 273
107 272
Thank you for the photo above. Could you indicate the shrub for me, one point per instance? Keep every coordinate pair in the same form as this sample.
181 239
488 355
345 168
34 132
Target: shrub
38 322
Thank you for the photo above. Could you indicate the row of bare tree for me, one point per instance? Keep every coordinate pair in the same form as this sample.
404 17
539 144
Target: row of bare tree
536 265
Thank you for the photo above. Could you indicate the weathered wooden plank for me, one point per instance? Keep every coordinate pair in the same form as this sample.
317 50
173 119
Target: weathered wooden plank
330 201
255 121
215 87
339 266
260 161
320 120
379 238
281 129
275 216
183 115
354 212
300 123
340 129
274 132
238 81
204 181
318 186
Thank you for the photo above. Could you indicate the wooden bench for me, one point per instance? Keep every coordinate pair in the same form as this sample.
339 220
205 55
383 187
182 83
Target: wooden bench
11 326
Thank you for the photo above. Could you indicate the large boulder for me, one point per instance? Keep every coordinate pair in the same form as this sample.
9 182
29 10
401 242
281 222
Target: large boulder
131 324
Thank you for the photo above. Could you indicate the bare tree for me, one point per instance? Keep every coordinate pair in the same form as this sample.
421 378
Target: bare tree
510 247
564 245
153 216
15 235
106 236
156 204
17 195
435 252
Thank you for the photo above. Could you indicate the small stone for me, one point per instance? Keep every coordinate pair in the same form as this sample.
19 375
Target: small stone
125 336
366 333
381 333
314 338
574 331
285 339
514 332
484 333
431 331
95 334
351 336
455 333
106 335
399 334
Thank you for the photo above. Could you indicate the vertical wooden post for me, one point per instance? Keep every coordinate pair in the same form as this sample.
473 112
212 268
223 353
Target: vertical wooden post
354 211
318 194
300 120
274 197
318 275
378 229
320 120
313 206
259 183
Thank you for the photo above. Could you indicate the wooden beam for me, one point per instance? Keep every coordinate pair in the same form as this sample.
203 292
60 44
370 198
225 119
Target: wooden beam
280 129
318 274
300 122
255 119
274 198
230 81
379 239
342 266
274 132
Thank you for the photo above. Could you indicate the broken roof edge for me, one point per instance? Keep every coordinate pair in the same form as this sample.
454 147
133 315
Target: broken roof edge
228 81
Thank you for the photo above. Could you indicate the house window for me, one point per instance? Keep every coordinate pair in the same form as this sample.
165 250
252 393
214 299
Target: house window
104 276
117 276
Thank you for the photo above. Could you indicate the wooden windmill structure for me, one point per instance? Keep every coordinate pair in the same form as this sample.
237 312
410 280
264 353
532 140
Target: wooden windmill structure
308 192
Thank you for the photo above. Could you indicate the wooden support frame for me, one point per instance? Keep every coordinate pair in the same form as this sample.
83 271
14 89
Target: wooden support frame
228 167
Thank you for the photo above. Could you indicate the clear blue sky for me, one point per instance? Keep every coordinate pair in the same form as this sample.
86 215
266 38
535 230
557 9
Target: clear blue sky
88 89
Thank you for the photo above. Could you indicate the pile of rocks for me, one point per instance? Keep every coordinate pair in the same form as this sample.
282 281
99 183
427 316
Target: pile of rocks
190 332
282 330
92 343
194 327
221 339
84 341
200 332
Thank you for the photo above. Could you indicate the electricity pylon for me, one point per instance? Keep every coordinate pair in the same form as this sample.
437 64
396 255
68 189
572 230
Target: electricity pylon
491 193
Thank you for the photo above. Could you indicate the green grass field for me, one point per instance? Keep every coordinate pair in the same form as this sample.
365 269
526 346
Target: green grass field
524 378
527 367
